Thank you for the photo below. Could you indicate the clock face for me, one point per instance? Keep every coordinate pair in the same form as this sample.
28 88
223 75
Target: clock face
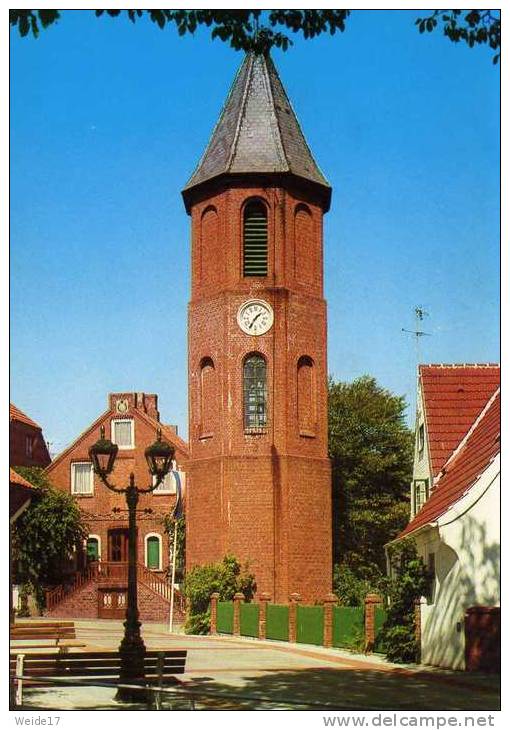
255 317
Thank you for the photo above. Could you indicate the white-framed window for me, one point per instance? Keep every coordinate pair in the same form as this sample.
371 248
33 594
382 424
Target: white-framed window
153 551
123 433
421 493
29 446
82 478
168 485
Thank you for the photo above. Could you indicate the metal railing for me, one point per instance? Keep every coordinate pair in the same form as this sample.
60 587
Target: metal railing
114 573
155 696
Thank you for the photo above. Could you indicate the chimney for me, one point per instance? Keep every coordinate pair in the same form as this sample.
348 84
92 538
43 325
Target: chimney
148 403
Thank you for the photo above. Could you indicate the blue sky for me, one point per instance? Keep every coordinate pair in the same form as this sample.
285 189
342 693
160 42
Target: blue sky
107 123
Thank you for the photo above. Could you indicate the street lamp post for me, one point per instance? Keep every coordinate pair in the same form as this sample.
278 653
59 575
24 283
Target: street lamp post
159 459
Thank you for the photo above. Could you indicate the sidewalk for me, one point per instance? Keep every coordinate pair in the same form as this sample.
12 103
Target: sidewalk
284 673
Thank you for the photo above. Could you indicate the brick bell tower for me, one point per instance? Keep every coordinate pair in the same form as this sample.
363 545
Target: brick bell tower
259 473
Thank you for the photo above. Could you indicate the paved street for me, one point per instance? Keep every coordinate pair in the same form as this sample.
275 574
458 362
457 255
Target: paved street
285 674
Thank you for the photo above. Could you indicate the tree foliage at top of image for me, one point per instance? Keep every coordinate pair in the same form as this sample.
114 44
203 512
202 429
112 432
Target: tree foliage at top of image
45 534
242 29
261 30
371 451
474 27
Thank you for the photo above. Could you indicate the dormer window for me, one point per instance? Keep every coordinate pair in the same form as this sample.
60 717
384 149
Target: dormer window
123 433
255 239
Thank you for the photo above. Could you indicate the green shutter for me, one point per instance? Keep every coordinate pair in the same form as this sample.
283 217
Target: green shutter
153 553
255 241
92 549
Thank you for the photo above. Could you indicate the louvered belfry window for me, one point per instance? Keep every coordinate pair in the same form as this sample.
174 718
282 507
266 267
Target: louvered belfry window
255 240
255 392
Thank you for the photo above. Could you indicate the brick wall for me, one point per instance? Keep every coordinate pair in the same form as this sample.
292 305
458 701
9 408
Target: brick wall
264 497
83 603
98 507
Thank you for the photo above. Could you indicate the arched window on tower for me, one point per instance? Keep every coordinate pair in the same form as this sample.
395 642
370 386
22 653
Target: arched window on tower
208 398
255 239
306 396
255 392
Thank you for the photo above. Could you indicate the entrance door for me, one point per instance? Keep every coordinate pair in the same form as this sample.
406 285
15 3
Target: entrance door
118 545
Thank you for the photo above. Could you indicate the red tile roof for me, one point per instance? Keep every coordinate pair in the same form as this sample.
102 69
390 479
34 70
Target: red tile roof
15 478
460 474
453 396
16 415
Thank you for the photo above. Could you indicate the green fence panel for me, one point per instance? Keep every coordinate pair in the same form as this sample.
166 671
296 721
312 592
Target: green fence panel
310 625
277 622
348 625
249 619
380 618
225 617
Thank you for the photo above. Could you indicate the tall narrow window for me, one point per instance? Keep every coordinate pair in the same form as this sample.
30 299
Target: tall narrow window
255 240
92 549
255 392
153 552
421 493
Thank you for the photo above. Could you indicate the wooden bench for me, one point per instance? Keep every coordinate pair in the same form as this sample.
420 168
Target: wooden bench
57 631
160 668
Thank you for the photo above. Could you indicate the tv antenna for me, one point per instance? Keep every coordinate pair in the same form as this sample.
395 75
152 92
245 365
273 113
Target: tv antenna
418 333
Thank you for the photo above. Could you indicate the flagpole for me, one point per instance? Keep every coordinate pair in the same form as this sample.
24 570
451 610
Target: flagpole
174 555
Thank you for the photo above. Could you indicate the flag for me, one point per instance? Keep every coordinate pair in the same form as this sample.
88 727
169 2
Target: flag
178 509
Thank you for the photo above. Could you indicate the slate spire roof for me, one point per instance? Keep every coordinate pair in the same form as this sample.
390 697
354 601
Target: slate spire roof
257 131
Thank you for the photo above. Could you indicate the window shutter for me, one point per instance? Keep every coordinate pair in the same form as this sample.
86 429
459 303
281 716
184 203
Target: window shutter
153 553
255 240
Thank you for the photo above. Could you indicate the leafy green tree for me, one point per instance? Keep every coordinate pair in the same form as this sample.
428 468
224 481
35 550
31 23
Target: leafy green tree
45 535
371 449
262 30
226 578
409 581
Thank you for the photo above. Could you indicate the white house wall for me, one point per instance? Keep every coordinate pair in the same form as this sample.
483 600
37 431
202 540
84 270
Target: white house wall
466 543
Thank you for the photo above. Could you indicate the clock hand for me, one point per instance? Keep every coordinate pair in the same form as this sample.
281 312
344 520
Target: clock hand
255 318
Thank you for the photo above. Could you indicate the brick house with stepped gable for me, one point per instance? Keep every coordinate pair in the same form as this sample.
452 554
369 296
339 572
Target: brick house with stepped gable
98 583
455 512
27 446
259 473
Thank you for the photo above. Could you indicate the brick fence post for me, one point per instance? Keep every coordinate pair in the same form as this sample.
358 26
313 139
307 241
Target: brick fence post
214 613
294 599
329 601
371 601
264 599
238 599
